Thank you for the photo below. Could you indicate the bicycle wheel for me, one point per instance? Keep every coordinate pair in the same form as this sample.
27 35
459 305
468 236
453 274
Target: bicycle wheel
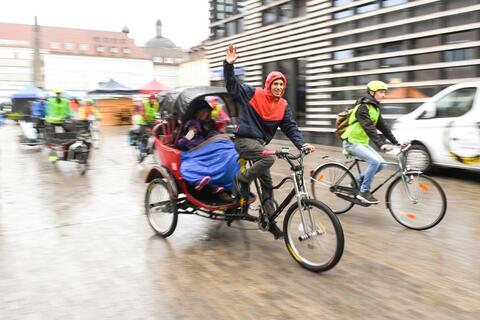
422 207
160 208
328 176
313 235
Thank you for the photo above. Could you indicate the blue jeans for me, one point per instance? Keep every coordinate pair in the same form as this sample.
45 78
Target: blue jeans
374 160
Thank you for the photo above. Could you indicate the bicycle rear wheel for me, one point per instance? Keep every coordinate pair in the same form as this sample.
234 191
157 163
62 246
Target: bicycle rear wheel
329 176
313 236
419 203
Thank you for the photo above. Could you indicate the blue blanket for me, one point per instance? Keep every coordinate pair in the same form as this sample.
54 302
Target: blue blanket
217 159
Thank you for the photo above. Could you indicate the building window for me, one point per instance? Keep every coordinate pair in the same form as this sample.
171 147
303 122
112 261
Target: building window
368 8
427 42
458 55
126 50
240 25
269 16
343 14
54 45
426 75
344 40
393 62
459 72
367 65
300 8
231 28
463 36
158 59
339 3
426 58
459 4
69 46
113 49
344 54
240 6
365 51
83 47
168 60
427 25
100 49
391 3
285 12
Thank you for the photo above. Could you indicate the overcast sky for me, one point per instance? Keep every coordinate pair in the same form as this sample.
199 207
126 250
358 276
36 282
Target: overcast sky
185 22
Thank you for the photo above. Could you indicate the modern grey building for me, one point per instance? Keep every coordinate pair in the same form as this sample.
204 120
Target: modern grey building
330 49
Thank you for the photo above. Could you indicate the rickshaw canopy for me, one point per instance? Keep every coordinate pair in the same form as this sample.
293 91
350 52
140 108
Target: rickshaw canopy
176 103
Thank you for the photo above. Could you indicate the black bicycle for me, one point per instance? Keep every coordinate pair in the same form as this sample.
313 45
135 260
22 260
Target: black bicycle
414 199
312 233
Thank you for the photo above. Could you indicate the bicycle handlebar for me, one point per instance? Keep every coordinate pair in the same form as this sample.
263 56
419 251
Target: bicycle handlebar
285 153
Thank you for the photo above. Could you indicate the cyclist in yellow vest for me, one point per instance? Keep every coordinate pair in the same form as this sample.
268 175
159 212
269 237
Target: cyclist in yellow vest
57 109
363 123
150 109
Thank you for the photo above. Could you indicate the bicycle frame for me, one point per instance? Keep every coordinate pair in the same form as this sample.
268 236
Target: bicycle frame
402 170
299 189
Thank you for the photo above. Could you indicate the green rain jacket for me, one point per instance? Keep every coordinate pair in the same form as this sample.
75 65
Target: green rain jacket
150 111
57 110
363 123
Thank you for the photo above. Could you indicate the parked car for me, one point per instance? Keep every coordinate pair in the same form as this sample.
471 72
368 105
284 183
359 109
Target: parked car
445 130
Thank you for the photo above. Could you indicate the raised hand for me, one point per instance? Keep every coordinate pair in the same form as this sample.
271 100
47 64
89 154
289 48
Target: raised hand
231 55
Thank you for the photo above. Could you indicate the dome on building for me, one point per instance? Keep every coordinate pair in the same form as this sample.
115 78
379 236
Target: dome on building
159 41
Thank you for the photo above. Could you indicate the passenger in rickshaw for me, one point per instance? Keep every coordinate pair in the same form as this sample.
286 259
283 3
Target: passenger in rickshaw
209 158
263 112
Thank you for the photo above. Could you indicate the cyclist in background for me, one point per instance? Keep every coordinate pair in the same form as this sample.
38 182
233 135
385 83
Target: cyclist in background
58 109
88 111
363 123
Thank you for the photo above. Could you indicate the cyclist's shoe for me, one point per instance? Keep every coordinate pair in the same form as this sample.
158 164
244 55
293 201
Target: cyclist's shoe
275 230
367 197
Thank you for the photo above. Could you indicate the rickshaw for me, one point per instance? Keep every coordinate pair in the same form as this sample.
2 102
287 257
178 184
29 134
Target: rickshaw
312 233
71 145
33 131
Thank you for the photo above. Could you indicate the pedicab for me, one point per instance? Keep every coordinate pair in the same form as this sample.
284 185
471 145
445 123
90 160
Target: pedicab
312 233
69 142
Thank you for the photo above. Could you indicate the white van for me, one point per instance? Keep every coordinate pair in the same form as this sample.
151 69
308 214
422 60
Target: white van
445 130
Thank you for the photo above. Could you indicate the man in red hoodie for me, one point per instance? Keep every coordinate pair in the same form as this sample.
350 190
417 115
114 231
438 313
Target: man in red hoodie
263 112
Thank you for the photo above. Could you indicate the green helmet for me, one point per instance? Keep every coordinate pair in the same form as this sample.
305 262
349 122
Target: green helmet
376 85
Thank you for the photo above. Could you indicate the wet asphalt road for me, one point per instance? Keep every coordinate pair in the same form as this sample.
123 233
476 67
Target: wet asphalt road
74 247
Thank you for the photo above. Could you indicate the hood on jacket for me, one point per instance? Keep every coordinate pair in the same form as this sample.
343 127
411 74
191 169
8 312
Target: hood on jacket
272 76
368 100
265 104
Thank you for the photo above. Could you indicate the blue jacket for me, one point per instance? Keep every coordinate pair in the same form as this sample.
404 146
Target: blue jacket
38 109
260 116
